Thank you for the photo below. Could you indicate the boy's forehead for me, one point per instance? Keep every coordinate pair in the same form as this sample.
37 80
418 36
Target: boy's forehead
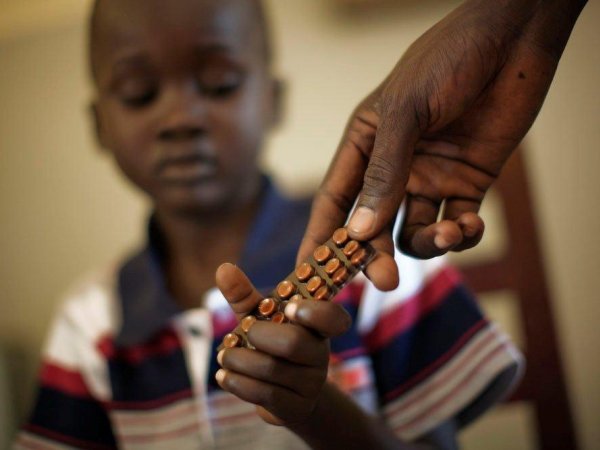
119 23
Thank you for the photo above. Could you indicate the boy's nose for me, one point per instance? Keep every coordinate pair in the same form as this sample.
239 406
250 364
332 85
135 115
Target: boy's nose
184 115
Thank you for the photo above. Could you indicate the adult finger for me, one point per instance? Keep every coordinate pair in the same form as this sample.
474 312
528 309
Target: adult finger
337 193
383 270
421 235
387 172
464 213
237 289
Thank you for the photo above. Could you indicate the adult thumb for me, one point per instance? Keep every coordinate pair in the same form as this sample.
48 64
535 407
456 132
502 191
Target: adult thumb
387 173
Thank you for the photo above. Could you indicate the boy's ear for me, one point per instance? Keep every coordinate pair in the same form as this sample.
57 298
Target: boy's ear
277 101
98 126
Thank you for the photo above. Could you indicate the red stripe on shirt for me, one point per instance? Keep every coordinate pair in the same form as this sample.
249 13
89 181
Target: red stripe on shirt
223 322
348 380
336 358
150 404
164 343
411 311
70 382
351 295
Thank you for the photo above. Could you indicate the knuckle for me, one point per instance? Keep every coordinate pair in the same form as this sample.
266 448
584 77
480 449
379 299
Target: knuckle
268 368
229 383
324 360
293 344
406 246
314 386
378 177
267 397
340 200
339 321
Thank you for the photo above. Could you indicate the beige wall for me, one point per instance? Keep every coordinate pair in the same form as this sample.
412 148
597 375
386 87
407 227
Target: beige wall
63 209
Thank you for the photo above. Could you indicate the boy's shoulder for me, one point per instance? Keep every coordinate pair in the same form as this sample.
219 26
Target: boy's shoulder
90 304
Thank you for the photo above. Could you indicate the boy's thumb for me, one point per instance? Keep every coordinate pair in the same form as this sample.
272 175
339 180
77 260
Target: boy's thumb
237 289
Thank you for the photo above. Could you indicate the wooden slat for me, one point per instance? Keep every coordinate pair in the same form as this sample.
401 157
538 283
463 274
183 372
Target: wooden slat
522 270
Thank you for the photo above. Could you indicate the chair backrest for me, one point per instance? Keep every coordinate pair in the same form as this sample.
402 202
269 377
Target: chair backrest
520 269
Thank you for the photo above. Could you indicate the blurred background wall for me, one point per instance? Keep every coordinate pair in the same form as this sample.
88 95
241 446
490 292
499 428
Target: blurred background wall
64 210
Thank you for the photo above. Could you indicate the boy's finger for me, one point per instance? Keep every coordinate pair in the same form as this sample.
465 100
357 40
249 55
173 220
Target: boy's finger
387 173
326 318
237 289
272 370
276 405
289 341
275 399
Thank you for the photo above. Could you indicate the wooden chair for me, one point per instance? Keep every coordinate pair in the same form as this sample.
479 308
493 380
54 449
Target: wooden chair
521 270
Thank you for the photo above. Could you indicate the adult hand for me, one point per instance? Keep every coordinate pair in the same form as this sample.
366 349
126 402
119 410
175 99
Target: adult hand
438 130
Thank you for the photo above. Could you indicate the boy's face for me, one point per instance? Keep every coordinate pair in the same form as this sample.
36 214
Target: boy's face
185 96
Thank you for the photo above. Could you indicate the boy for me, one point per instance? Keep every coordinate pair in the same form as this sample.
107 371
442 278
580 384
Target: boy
185 96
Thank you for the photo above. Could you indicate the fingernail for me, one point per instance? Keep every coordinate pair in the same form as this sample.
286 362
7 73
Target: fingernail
220 375
441 242
362 221
290 310
220 357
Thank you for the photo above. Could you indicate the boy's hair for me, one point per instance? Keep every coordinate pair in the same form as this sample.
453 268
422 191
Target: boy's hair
257 10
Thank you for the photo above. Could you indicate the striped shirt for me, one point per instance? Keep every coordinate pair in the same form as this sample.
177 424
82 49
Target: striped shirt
125 367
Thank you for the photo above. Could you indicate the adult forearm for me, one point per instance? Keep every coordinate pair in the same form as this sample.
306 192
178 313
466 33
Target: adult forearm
553 22
546 24
338 422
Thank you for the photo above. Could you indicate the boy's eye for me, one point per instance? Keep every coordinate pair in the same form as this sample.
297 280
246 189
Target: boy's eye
222 90
220 84
137 94
140 99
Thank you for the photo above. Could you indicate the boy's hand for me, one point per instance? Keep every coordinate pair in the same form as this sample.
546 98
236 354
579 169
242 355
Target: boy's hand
438 130
285 375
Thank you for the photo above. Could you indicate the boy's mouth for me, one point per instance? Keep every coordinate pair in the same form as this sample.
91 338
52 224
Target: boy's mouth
190 168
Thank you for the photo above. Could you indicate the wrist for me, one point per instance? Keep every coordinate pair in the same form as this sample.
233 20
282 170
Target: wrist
545 24
552 23
338 422
572 6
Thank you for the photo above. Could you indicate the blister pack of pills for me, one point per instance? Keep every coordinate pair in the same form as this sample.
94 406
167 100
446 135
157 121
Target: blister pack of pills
330 268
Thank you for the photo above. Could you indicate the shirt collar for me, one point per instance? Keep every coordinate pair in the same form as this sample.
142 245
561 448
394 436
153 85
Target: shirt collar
268 256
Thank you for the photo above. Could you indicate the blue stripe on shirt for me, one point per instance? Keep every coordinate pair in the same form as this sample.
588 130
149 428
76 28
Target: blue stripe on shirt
411 352
71 419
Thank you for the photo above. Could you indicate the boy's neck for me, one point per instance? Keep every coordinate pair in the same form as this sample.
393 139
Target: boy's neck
195 247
